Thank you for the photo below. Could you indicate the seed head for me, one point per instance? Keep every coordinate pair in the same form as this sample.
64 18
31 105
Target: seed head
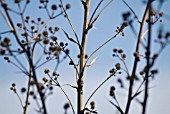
161 14
54 7
23 90
92 104
120 51
152 12
68 6
45 33
54 73
45 80
46 71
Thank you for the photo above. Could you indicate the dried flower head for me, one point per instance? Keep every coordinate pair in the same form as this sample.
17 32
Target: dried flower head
54 7
68 6
120 51
45 80
152 12
92 104
46 71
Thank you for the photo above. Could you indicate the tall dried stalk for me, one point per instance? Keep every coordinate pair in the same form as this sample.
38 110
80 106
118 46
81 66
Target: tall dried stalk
80 81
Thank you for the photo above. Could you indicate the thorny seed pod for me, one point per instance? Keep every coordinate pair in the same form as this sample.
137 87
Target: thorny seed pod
71 63
123 56
152 12
51 88
54 73
27 17
114 50
51 43
17 1
78 56
112 88
46 71
68 6
86 56
7 40
31 93
54 38
117 66
19 25
161 14
154 71
92 104
46 41
125 24
45 80
45 33
57 28
54 7
2 52
32 27
61 44
66 106
67 51
13 84
23 90
155 55
160 35
120 51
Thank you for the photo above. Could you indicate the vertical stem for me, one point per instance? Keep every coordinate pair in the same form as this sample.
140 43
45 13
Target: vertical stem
136 59
82 59
148 62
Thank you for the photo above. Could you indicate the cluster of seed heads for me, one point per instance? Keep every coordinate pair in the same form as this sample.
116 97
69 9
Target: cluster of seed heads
119 53
121 28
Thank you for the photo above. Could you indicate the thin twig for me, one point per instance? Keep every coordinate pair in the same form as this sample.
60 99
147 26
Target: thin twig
131 11
95 11
96 90
70 23
19 99
101 47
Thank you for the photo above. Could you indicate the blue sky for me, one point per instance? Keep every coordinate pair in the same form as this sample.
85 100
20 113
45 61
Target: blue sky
94 75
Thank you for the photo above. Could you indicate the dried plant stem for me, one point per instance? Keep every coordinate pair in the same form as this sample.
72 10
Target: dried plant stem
28 94
70 23
136 59
19 99
96 90
131 10
147 61
101 47
82 59
57 84
68 99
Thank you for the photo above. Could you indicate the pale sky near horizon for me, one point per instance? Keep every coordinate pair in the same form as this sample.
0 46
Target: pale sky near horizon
105 27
